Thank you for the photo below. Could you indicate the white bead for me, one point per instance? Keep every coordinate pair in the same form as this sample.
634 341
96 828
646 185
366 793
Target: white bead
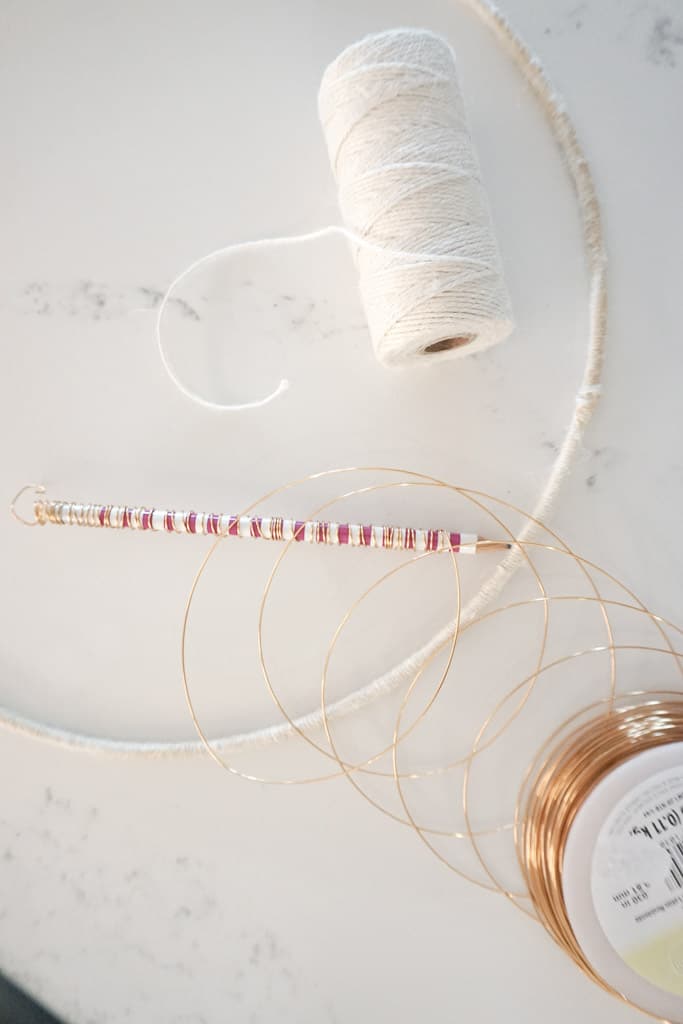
468 543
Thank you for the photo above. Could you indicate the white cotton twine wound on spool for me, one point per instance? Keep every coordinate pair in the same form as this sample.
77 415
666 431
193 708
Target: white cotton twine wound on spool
410 192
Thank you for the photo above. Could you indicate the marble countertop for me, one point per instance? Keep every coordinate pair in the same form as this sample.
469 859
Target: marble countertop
137 138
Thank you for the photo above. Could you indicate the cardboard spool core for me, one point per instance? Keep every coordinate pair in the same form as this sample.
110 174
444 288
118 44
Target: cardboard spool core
449 343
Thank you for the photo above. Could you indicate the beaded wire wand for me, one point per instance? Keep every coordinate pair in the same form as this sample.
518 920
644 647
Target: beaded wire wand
222 524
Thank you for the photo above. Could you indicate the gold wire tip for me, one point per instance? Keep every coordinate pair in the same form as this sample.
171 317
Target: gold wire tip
493 545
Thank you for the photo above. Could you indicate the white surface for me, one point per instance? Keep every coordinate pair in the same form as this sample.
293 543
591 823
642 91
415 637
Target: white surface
166 891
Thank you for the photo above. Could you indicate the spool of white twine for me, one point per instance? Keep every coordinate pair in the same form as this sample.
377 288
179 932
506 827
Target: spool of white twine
410 190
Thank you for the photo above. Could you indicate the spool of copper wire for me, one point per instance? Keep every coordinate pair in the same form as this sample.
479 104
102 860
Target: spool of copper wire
600 843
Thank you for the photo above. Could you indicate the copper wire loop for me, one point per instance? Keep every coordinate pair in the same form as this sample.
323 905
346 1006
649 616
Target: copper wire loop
619 725
572 759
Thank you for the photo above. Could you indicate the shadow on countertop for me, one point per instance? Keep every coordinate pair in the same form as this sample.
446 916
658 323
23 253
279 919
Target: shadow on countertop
18 1008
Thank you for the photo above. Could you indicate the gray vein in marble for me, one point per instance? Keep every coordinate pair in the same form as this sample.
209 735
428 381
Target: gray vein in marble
572 21
658 25
91 300
665 41
88 300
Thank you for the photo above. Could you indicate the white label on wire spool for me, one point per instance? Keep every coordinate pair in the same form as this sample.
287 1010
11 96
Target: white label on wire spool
637 879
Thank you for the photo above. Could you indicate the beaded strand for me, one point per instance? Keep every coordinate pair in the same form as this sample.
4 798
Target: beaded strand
121 517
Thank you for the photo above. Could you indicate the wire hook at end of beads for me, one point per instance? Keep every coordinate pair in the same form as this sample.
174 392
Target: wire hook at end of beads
38 505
